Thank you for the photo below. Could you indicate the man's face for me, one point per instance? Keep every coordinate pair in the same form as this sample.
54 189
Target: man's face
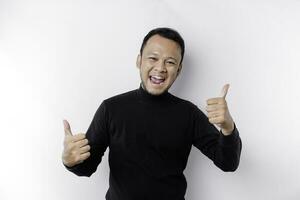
159 64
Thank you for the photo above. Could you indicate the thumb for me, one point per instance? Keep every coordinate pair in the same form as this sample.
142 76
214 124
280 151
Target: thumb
67 127
224 91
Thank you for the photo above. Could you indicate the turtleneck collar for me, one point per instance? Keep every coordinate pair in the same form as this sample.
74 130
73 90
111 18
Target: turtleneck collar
146 96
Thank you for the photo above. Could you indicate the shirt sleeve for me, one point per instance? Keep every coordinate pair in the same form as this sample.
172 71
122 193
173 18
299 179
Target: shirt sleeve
223 150
98 139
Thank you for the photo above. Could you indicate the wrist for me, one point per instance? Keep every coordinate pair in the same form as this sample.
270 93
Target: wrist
228 131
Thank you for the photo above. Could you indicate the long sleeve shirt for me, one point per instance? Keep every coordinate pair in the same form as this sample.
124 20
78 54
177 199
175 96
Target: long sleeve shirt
149 139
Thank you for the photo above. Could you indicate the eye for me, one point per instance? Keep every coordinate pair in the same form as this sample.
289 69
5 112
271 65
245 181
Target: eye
171 62
152 58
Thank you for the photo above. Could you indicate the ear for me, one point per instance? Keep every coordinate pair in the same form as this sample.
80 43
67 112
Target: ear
138 61
179 69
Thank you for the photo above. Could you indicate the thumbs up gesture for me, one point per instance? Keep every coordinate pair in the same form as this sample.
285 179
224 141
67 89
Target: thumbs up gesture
218 112
76 148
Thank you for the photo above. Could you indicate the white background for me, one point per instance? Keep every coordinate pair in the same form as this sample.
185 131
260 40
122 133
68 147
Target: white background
60 59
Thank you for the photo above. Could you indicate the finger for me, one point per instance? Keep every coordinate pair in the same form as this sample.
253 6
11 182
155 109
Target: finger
212 108
217 100
78 137
85 149
67 127
216 120
224 91
81 143
214 114
84 156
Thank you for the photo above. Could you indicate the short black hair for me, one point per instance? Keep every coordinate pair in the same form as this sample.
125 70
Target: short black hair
168 33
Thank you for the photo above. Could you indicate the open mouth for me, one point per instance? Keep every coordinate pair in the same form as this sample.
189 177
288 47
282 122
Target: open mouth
158 80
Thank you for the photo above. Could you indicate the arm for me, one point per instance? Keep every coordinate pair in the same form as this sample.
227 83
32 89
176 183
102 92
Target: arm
98 138
223 150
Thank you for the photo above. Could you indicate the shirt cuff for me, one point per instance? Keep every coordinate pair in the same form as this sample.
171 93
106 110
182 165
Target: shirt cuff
229 140
70 168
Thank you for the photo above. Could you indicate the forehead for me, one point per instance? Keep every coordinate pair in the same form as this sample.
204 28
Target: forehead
162 45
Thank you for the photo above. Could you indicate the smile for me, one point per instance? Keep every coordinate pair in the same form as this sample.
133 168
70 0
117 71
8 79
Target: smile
157 80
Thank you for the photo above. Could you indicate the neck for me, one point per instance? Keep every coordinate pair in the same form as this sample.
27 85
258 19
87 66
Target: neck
145 95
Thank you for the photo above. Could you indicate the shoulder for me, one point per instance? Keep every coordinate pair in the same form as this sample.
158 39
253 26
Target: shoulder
116 102
184 102
192 108
119 98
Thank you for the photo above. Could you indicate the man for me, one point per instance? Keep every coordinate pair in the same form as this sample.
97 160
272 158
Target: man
150 132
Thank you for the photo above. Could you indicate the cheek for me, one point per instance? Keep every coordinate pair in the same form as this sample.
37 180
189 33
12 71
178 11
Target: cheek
145 74
173 73
146 70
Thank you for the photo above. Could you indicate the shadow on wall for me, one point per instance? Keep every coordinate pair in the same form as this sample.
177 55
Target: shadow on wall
183 81
187 81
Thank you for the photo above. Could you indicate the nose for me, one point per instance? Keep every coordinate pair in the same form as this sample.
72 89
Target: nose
160 67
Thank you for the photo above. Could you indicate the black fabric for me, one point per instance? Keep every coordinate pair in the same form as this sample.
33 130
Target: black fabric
149 139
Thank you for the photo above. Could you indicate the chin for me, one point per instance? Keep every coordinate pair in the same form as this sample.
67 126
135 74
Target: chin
156 89
155 92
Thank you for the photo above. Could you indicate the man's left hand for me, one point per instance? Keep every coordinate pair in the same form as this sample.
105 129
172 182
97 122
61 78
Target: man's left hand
218 112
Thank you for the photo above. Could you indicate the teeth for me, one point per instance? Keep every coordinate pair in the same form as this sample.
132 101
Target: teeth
158 77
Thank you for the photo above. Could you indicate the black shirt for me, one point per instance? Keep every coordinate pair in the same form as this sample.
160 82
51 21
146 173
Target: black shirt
149 139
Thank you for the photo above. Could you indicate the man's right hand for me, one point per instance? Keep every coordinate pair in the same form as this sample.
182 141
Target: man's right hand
76 148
